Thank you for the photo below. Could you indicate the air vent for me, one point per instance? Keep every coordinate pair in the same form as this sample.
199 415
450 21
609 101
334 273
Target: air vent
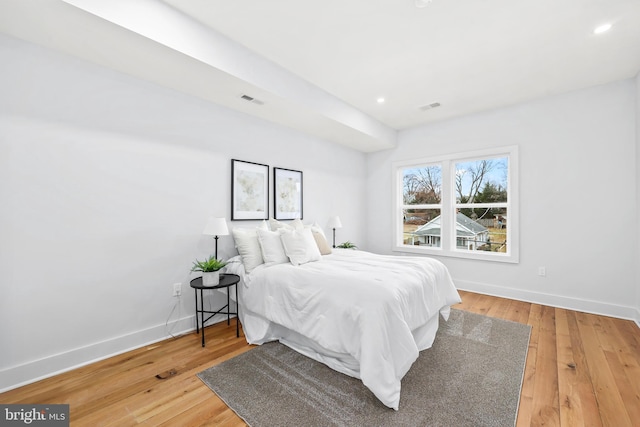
251 99
429 106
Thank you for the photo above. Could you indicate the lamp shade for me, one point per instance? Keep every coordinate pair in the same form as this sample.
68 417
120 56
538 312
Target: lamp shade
216 227
334 222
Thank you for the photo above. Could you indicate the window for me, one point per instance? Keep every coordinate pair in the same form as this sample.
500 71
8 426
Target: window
461 205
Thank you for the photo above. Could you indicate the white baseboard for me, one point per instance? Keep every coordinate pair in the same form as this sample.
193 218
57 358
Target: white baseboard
576 304
29 372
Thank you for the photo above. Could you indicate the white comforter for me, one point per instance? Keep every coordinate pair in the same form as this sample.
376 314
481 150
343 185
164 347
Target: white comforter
359 306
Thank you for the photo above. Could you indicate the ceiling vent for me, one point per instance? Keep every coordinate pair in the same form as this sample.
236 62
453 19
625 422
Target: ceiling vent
429 106
251 99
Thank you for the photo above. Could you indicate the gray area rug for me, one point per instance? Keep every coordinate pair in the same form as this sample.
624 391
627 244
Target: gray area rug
472 376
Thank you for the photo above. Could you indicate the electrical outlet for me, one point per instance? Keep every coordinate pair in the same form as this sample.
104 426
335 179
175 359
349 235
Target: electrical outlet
542 271
177 289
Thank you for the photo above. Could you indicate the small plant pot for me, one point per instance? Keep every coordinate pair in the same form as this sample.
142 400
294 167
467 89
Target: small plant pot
210 278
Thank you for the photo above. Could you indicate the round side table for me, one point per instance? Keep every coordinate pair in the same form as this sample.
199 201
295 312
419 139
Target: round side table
226 281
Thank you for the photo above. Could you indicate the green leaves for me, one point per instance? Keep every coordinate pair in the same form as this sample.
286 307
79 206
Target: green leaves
208 265
347 245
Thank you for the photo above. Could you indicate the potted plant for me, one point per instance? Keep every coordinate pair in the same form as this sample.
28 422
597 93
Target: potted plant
347 245
210 270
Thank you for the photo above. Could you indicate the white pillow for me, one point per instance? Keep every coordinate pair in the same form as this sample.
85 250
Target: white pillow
317 229
300 246
276 225
297 224
271 246
248 247
321 242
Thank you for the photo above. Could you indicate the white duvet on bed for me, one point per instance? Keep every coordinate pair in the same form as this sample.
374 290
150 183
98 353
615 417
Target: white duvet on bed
368 315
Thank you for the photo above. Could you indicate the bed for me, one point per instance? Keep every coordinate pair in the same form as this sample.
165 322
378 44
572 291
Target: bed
362 314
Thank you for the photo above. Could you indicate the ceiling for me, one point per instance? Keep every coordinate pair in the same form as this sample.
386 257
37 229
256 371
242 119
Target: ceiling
320 67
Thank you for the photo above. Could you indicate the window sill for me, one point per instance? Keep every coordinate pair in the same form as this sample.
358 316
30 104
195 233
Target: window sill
474 255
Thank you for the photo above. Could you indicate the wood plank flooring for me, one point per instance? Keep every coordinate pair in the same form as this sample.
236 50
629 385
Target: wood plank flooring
581 370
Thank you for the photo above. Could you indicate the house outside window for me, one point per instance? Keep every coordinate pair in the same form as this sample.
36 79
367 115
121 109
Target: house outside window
462 205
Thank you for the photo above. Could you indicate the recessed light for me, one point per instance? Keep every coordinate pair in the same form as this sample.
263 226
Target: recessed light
422 3
602 29
380 100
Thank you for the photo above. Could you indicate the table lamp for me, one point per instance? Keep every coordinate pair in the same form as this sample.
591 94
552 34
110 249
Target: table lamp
334 222
216 227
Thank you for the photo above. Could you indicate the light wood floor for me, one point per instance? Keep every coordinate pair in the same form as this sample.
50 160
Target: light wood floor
581 369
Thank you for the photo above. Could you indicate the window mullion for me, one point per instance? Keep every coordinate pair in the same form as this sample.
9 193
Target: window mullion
448 197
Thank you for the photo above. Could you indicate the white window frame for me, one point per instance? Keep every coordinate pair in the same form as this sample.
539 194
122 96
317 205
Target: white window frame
448 205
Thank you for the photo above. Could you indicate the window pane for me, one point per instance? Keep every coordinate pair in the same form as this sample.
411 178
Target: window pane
422 185
482 229
421 227
482 181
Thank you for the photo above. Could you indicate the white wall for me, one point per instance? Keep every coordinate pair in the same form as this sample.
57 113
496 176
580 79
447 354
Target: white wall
578 211
106 183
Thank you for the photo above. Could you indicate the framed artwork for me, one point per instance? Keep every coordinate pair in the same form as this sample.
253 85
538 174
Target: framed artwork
249 190
287 194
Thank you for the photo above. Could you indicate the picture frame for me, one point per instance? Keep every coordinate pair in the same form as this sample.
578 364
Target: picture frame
287 194
249 190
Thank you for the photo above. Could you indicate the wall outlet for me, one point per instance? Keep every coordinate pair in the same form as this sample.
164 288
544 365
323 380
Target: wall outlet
177 289
542 271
